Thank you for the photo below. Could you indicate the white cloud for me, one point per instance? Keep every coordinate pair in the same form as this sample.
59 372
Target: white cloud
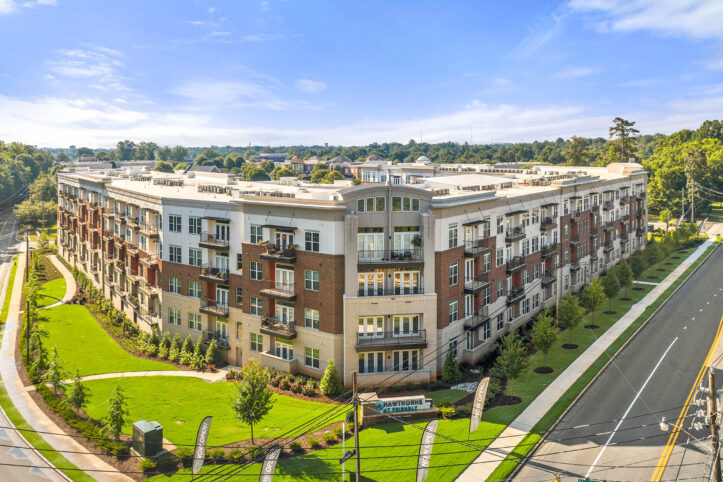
100 64
7 6
10 6
310 86
547 29
52 121
576 72
700 19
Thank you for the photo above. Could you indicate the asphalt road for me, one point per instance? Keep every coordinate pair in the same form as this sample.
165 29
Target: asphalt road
613 431
13 449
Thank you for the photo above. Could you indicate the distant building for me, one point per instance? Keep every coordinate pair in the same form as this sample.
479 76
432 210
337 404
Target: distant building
211 168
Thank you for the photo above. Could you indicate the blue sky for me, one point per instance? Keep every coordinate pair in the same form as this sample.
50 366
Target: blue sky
303 72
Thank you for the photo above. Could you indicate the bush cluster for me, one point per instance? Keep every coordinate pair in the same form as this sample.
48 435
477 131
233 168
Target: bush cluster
294 383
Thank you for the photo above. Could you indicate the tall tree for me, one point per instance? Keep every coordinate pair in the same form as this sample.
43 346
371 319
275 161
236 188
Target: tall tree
624 274
544 334
163 166
54 374
570 313
125 150
625 132
637 265
611 285
178 154
450 369
146 151
252 400
163 153
593 297
577 153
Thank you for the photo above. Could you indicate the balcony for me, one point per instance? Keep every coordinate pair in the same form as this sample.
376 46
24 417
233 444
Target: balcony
640 195
278 290
515 294
213 307
214 274
133 222
149 230
276 327
607 205
476 247
548 224
279 253
639 214
107 234
149 289
381 258
593 255
624 237
515 234
624 199
608 225
150 316
549 250
396 291
515 264
574 265
549 278
221 341
575 214
625 218
575 240
476 284
211 241
477 319
640 231
150 260
108 214
608 247
391 340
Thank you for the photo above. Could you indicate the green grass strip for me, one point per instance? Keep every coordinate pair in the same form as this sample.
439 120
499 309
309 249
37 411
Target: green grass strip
8 292
548 420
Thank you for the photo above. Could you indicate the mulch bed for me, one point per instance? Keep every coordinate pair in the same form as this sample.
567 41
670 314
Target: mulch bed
543 370
637 288
652 278
569 346
668 264
660 269
675 257
592 327
609 312
502 400
625 299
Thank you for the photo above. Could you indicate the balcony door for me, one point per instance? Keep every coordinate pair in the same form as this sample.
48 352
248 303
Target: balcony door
222 329
222 263
406 325
222 232
468 305
284 279
285 314
469 235
284 240
403 241
468 270
371 284
406 282
221 297
371 326
371 246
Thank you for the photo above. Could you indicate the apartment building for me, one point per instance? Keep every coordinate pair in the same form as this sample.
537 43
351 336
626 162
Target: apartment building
381 277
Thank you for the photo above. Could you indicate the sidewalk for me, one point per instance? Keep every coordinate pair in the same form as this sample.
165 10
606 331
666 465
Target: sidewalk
26 405
490 459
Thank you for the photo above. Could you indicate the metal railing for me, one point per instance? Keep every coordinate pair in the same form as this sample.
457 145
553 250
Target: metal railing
518 232
278 287
477 318
396 291
476 247
274 326
221 341
549 249
214 272
408 255
515 262
548 223
214 307
396 337
211 239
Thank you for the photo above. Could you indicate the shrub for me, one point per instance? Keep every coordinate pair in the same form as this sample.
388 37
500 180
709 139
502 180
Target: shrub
297 388
218 454
163 353
166 463
295 446
424 385
314 442
275 382
236 455
213 355
445 412
285 384
174 354
197 362
186 358
450 369
330 383
329 438
150 349
350 417
444 403
338 432
254 451
310 389
493 389
148 465
184 456
409 386
463 412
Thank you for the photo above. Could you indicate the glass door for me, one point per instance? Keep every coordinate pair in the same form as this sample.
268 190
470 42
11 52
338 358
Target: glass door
284 240
221 297
468 270
371 246
371 284
222 232
407 282
222 329
469 305
371 326
284 279
285 314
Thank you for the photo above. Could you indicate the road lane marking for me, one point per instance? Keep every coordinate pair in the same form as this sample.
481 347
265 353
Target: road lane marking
670 445
622 419
581 426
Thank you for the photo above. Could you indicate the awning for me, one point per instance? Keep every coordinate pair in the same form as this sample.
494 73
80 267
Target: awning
277 227
474 223
515 213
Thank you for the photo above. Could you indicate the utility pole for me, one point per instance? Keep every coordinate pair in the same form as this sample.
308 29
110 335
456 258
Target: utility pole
682 201
713 414
355 401
692 203
27 333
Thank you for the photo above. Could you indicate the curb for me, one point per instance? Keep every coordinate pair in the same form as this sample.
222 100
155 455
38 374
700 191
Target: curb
531 453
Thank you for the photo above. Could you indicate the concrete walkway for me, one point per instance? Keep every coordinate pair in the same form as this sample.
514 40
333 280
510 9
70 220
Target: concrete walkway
490 459
76 453
70 285
218 376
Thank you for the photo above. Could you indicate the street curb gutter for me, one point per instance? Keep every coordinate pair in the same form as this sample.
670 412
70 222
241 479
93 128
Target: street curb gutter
532 452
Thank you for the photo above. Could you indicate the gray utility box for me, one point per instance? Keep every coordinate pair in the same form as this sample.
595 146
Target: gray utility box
147 438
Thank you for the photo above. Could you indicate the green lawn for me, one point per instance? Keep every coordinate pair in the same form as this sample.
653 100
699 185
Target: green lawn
179 404
452 396
83 344
53 289
8 293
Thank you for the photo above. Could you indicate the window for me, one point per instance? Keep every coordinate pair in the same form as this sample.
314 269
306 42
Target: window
452 233
194 289
453 311
486 296
194 257
525 247
240 262
257 305
535 244
535 301
371 362
486 262
311 318
525 306
174 285
453 348
500 288
312 240
194 225
453 273
174 254
311 280
536 272
174 316
500 322
566 232
566 282
499 257
311 357
256 271
257 342
484 330
526 276
404 204
257 234
406 360
284 350
194 321
500 225
239 296
239 330
174 223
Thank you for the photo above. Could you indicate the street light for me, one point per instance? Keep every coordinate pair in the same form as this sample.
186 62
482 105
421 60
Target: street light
665 427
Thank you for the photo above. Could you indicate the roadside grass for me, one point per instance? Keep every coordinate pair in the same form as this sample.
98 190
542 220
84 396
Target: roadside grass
53 289
179 404
548 420
84 345
716 212
452 396
17 419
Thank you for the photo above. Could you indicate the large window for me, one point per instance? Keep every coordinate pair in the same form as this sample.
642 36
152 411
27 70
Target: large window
406 360
194 225
174 223
453 273
174 254
284 350
256 234
194 321
406 324
371 326
453 311
174 285
311 240
256 271
311 318
174 316
499 257
239 296
194 257
371 362
311 280
405 204
452 235
311 357
194 289
257 306
257 342
370 204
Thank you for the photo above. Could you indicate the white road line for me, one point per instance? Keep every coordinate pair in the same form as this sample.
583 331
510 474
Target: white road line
587 474
581 426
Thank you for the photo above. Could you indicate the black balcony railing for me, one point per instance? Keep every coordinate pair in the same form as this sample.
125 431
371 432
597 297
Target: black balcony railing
548 223
475 284
515 234
278 290
392 256
549 250
396 291
515 294
477 319
608 247
214 307
607 205
279 252
515 263
476 247
276 327
549 278
214 273
396 338
221 341
210 240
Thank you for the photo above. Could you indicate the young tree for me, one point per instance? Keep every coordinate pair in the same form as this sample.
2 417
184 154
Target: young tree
252 400
593 297
199 355
187 345
450 370
625 275
117 411
637 265
544 334
570 313
78 394
611 285
664 217
512 359
54 373
213 355
330 382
